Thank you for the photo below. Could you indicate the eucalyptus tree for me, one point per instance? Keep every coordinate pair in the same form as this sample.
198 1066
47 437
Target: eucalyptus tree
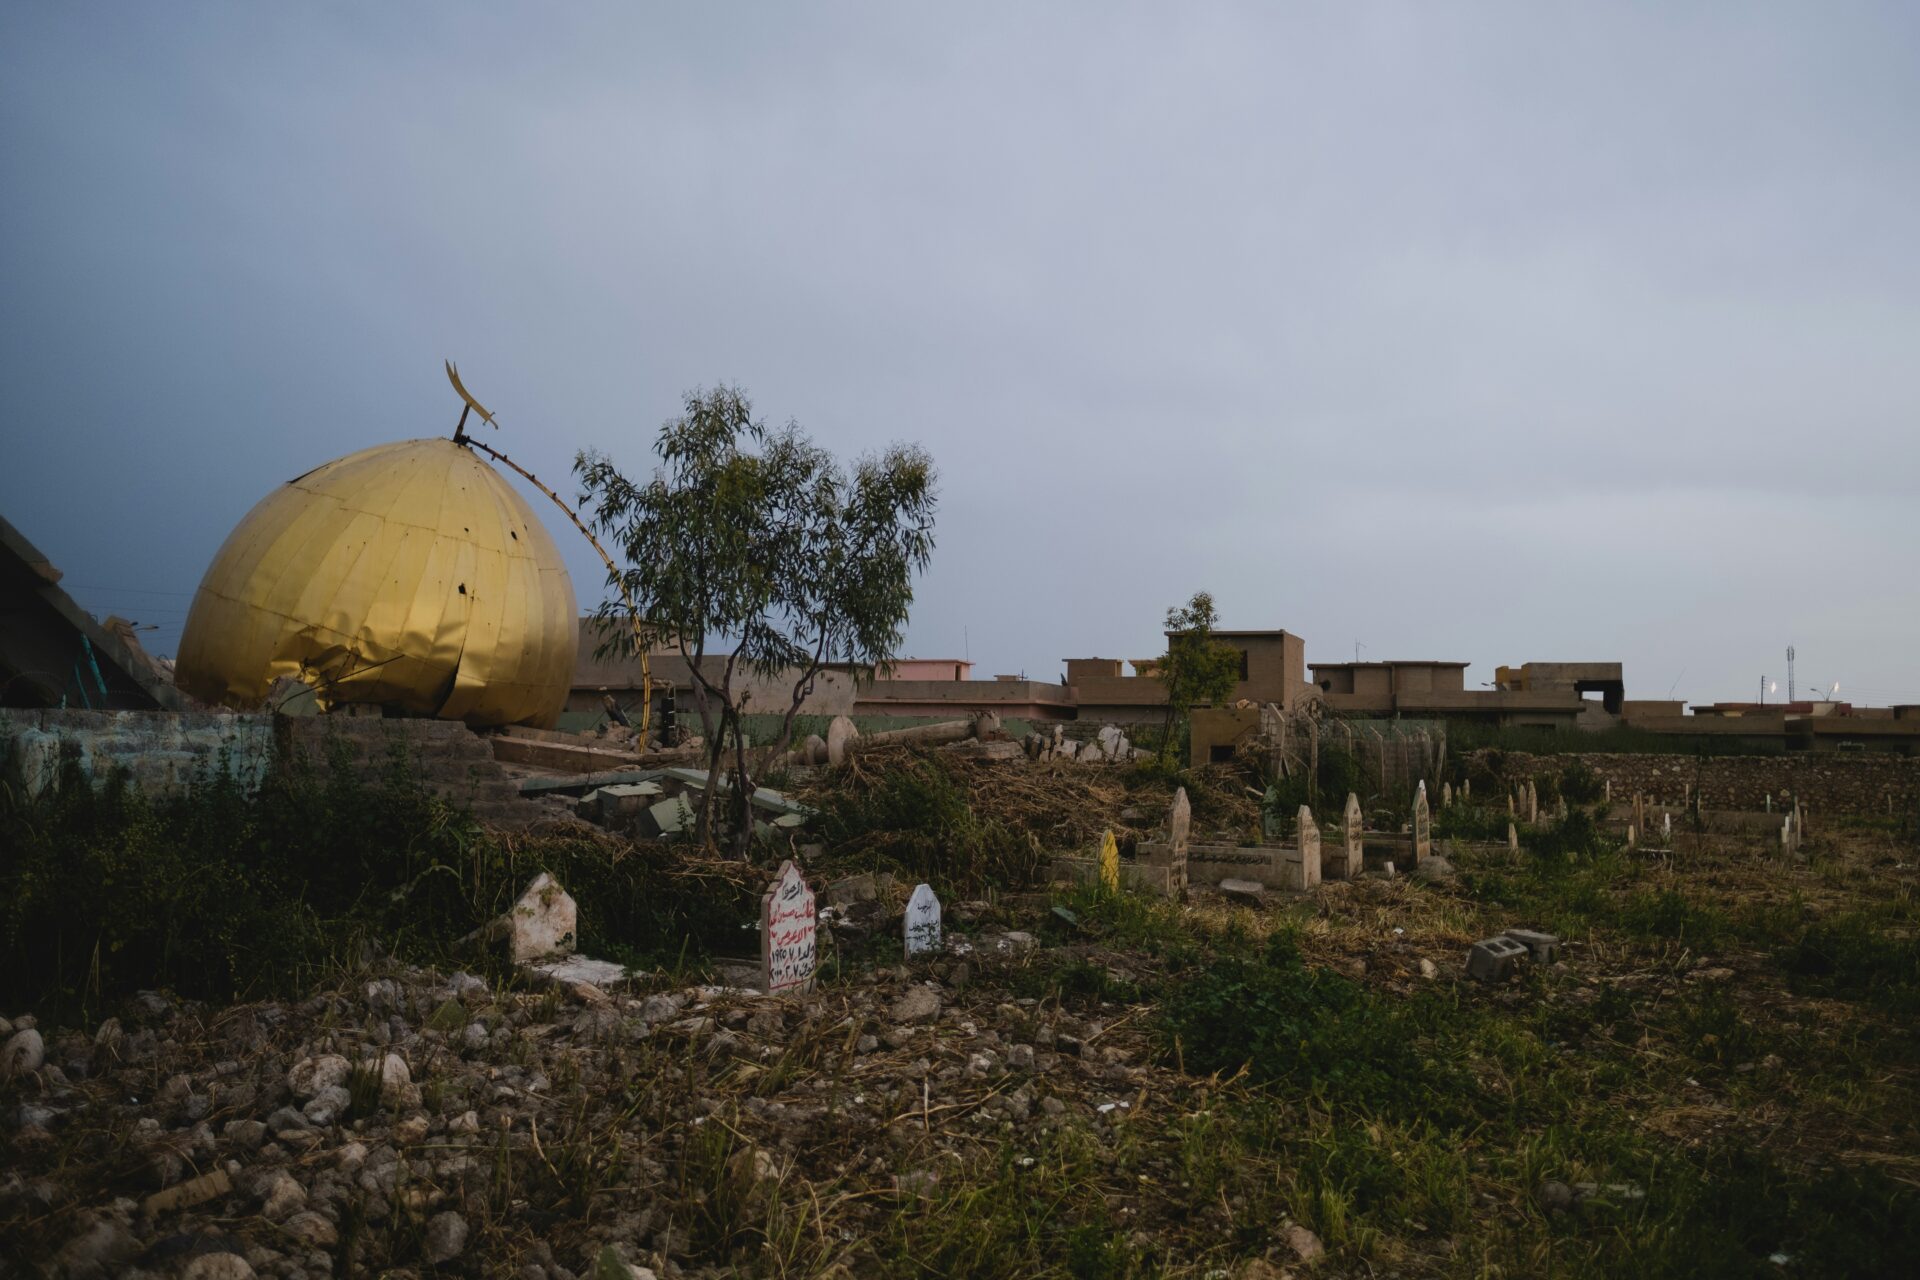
1197 668
758 543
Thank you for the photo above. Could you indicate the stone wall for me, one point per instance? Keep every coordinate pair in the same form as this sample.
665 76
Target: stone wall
450 759
1829 783
167 751
160 751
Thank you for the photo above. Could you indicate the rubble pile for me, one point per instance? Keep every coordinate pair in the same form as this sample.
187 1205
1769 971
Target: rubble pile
419 1119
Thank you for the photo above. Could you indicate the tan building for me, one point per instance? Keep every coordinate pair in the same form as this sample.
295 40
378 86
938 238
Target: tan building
1436 690
927 669
1272 669
1008 697
830 693
1603 678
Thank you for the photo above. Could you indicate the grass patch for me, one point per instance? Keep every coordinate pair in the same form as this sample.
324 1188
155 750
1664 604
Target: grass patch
1871 955
1284 1022
221 893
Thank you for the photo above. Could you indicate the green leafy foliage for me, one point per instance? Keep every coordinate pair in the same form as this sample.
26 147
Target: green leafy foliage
1197 670
758 538
1580 784
1339 774
1576 835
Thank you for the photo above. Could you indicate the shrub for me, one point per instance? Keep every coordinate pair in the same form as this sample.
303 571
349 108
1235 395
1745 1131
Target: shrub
1856 955
1291 1024
220 893
1580 784
1577 834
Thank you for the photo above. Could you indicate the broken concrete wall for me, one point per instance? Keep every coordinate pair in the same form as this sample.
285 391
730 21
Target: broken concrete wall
164 752
159 751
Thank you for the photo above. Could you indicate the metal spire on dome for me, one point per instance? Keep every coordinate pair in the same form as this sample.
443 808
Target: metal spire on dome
473 406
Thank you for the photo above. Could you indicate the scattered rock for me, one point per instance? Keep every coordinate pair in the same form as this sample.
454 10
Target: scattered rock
217 1266
102 1248
1433 868
282 1196
312 1230
327 1106
310 1075
1555 1197
24 1053
446 1237
916 1005
1305 1245
396 1081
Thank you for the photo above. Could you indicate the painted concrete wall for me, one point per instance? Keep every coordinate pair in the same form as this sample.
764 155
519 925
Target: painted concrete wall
160 751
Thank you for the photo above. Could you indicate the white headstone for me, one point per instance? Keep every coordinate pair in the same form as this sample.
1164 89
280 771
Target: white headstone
1179 827
922 925
542 923
1422 826
1666 826
789 929
1352 822
1309 849
841 735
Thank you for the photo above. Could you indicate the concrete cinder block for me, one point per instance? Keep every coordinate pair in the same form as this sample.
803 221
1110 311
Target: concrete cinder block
1494 959
1544 948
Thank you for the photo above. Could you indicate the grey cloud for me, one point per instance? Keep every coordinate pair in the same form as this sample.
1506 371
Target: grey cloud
1487 332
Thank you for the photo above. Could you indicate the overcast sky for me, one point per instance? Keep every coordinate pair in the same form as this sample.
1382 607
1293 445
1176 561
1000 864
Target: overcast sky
1473 332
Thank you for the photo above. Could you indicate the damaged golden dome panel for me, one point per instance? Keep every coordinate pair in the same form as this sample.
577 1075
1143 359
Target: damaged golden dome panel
408 575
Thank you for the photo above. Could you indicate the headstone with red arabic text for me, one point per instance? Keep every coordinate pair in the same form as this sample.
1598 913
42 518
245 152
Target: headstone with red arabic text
789 928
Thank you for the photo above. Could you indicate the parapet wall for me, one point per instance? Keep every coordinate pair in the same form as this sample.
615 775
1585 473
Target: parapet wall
158 750
1830 783
163 752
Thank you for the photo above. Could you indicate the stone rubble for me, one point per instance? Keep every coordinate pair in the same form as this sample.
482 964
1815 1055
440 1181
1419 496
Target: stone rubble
260 1131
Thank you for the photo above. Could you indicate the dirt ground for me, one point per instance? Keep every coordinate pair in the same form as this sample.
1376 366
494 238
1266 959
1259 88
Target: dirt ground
1718 1077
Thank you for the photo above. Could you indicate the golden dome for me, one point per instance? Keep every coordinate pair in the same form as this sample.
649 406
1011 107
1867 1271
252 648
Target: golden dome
410 575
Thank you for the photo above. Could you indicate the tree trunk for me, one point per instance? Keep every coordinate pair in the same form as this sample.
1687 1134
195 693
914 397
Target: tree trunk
742 795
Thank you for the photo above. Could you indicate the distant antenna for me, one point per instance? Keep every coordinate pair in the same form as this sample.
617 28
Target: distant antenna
1790 688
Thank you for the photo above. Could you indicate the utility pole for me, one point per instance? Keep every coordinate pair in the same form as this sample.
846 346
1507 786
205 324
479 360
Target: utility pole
1791 691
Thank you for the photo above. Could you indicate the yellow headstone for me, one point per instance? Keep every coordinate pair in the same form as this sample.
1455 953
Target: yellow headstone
1109 863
